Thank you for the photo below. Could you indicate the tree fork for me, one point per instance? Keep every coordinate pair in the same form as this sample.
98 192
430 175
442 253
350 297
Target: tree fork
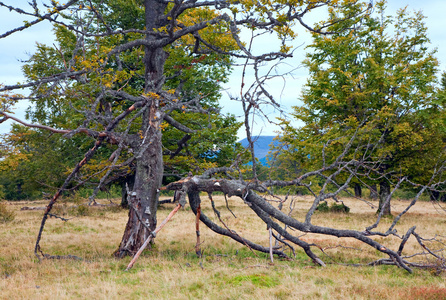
86 158
305 246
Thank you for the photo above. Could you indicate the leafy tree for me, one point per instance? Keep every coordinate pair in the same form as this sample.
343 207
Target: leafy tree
378 76
199 75
42 161
439 130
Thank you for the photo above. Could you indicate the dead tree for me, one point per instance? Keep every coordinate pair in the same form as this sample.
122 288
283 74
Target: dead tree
161 26
280 222
154 103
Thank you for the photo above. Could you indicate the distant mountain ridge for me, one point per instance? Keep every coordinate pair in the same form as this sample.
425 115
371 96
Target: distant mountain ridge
262 145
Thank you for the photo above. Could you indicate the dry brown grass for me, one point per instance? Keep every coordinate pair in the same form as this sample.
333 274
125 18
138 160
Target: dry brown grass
227 270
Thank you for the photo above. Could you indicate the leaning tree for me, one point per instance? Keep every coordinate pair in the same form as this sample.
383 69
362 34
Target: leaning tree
129 110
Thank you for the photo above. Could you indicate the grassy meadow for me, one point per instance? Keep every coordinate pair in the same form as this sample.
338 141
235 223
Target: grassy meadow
228 270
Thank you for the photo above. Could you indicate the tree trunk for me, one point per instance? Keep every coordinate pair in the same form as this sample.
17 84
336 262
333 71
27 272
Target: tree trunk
437 196
143 200
373 192
127 183
19 191
384 193
434 195
358 190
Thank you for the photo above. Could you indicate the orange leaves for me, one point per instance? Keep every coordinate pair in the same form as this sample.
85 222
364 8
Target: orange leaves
218 34
152 95
164 125
12 160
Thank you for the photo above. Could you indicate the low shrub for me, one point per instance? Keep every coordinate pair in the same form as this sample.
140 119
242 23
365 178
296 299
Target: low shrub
81 210
340 208
6 215
323 207
336 208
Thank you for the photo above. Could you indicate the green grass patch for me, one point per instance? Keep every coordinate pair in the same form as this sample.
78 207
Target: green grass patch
259 280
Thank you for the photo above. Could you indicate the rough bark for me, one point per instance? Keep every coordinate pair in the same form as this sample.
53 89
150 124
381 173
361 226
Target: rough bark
269 214
149 159
126 183
143 200
384 201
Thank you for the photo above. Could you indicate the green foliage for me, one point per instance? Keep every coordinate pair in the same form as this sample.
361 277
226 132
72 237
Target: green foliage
42 160
323 207
258 280
213 145
83 193
6 215
81 210
340 208
377 78
335 208
36 162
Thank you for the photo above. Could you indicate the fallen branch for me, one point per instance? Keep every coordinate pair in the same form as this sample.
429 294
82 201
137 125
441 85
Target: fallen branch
197 230
33 208
151 236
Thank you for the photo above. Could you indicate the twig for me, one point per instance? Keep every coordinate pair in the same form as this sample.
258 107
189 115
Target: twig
217 213
227 206
58 217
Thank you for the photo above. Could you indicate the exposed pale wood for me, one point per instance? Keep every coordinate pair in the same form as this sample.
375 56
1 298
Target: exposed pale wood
197 230
151 236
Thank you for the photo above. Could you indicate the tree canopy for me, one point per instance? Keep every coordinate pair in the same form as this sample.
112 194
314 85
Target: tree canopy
200 75
380 76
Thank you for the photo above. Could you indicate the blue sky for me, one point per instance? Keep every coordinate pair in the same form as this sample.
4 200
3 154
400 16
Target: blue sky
17 47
